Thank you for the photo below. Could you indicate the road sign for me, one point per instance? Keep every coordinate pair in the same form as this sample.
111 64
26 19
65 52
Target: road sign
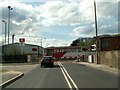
21 40
34 49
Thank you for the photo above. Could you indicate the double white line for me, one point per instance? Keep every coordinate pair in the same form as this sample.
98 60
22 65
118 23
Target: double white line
69 80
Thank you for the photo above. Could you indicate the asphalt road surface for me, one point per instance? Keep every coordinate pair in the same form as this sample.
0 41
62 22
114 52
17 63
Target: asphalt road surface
66 75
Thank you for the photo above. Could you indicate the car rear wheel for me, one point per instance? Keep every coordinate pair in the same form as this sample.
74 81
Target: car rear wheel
52 65
41 65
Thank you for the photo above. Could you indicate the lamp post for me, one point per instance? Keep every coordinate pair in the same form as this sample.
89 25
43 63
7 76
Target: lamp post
13 38
97 57
4 48
41 41
9 8
5 29
41 46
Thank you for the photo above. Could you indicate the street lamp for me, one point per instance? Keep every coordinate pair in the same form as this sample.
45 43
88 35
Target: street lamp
13 38
4 47
41 41
5 29
9 8
41 46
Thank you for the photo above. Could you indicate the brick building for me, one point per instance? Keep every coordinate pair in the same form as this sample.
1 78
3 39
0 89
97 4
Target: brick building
109 42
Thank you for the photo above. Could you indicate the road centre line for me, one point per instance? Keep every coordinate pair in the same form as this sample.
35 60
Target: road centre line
65 73
70 86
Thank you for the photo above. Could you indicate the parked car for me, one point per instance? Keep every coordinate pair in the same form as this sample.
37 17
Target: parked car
47 61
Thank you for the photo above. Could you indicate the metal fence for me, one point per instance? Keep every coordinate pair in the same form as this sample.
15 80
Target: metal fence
14 59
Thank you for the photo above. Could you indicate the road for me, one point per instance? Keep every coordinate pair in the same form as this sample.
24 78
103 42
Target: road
66 75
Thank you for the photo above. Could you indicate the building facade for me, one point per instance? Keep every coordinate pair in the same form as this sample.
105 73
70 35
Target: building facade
20 53
109 50
109 43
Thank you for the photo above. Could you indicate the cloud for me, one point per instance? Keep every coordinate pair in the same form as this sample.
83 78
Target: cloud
23 18
107 19
55 42
79 15
88 31
59 12
83 31
107 9
45 42
109 29
76 13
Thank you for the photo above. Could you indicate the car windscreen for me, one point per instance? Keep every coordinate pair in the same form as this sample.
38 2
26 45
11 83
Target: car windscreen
47 58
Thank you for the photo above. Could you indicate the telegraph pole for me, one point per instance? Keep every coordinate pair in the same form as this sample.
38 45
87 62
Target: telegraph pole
96 32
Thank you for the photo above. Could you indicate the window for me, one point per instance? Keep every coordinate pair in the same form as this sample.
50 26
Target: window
60 50
106 43
55 51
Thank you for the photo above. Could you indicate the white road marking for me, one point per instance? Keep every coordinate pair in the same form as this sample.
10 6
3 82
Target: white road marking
65 73
70 86
11 79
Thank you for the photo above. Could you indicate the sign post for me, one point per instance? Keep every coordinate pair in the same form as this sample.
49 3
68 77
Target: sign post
22 41
34 50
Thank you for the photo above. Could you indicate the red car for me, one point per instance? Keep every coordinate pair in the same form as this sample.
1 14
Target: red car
47 61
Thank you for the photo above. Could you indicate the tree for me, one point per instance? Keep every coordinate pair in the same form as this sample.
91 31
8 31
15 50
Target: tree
75 43
83 42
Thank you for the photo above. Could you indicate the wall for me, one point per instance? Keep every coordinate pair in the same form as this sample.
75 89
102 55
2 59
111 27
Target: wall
109 58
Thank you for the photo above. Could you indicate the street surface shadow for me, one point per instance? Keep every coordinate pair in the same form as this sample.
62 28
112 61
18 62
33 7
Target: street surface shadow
82 65
55 66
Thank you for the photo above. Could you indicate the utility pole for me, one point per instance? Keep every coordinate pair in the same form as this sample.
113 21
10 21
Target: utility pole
96 32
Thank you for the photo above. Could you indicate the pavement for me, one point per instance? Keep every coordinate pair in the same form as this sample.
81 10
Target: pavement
101 67
12 72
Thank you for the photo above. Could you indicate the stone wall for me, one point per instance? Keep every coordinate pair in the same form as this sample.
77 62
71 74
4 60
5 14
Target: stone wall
109 58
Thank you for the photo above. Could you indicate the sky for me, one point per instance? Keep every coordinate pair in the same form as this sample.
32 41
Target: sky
57 22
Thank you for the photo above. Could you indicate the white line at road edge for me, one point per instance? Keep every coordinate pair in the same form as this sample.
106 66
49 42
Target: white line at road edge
67 75
11 79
